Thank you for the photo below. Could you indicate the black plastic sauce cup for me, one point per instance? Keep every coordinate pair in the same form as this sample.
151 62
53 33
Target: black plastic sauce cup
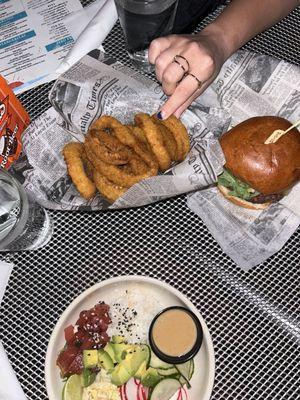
185 357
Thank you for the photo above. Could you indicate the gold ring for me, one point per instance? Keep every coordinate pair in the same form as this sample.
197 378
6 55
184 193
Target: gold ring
198 80
175 59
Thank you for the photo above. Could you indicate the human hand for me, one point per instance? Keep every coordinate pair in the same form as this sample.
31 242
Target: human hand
201 55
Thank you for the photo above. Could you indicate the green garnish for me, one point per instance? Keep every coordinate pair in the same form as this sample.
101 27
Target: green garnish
236 186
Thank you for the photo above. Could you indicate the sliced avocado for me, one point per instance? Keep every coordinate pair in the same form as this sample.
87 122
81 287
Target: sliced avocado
109 349
151 377
119 349
128 351
144 349
141 371
119 375
87 377
90 358
117 339
135 356
105 361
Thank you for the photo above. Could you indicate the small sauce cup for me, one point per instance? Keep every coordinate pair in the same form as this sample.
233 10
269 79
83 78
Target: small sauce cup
175 335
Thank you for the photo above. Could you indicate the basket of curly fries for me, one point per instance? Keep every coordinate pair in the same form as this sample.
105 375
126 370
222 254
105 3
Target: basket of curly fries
101 145
114 156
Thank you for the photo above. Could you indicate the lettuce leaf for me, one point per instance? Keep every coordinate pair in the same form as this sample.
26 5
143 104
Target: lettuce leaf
236 186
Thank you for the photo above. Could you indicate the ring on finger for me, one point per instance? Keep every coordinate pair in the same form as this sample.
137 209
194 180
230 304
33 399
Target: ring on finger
199 83
185 69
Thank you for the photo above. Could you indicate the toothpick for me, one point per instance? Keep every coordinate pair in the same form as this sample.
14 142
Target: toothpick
276 135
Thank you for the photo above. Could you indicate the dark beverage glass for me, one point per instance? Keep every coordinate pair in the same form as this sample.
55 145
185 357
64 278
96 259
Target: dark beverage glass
142 21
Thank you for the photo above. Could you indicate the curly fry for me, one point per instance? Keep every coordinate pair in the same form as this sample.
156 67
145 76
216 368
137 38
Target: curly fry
155 140
73 155
88 166
139 134
168 139
107 188
115 157
124 134
180 135
118 174
136 166
142 140
108 148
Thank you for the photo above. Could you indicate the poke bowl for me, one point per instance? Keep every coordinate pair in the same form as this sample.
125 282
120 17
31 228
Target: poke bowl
99 348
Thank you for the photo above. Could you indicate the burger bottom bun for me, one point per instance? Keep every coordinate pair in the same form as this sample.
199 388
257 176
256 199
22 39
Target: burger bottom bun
241 202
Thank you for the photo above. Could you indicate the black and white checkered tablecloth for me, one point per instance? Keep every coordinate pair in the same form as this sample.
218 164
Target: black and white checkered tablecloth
254 317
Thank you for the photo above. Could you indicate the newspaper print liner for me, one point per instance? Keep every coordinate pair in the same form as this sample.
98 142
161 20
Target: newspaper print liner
248 85
86 91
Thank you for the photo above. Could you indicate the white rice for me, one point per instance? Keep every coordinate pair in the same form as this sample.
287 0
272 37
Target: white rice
132 312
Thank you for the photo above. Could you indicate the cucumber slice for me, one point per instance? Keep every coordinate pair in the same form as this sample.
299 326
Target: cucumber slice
165 389
156 362
167 372
192 368
184 369
183 382
147 349
176 376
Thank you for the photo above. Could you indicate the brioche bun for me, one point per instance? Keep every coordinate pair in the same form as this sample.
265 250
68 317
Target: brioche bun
268 168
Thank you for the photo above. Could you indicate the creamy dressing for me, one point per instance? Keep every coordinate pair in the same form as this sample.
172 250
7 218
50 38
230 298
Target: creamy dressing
174 333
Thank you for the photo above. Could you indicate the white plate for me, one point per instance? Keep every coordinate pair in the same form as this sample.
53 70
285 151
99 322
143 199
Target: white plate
108 290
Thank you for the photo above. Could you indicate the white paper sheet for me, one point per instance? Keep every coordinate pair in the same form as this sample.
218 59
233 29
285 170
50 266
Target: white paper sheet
5 270
77 21
291 201
10 388
93 35
33 39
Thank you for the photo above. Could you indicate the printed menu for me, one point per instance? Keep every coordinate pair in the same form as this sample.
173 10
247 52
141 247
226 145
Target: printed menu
33 39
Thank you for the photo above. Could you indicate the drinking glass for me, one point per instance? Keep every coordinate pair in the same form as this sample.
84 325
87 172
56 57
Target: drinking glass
142 21
24 224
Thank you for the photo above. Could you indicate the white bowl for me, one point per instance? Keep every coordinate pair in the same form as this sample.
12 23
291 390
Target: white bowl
203 379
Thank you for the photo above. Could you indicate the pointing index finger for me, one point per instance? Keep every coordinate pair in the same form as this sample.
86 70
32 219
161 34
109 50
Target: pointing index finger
187 88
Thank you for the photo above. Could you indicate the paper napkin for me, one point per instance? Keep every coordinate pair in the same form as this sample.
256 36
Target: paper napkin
77 21
92 36
10 388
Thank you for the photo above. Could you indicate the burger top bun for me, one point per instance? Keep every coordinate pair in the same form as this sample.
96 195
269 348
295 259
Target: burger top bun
268 168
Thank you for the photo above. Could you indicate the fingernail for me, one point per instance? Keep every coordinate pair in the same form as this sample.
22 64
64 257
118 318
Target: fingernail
159 115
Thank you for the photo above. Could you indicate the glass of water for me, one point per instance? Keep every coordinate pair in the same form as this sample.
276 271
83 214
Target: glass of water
24 224
142 21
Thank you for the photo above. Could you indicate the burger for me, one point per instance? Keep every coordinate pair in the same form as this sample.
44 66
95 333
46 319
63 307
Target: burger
258 174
